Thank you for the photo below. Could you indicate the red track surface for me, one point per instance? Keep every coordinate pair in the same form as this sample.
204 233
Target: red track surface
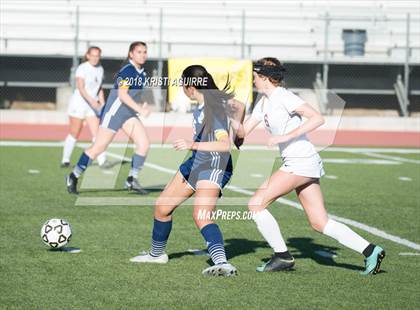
259 136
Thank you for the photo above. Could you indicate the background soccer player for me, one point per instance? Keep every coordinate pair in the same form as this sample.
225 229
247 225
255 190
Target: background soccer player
205 173
121 111
282 112
85 103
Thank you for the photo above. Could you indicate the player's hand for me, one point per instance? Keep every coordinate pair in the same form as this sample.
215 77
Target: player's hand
182 145
145 110
274 140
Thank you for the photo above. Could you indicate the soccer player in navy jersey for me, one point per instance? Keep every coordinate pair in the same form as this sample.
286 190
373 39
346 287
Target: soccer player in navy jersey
204 174
121 111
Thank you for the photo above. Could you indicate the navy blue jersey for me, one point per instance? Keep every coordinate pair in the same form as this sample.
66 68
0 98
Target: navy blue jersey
216 160
131 78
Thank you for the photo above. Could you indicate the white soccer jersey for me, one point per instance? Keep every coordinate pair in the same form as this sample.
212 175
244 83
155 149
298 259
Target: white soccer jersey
278 114
93 77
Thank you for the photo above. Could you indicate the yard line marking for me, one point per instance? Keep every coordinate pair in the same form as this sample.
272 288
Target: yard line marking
396 158
409 254
405 179
244 147
332 177
361 161
367 228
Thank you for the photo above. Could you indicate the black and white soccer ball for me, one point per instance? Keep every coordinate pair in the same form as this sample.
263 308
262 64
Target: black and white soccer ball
56 233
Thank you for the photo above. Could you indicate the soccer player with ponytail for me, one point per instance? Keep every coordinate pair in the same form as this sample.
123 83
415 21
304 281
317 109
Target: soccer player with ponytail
281 112
204 174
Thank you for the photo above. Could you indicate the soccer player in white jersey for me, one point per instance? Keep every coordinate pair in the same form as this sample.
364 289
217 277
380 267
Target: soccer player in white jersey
85 103
281 112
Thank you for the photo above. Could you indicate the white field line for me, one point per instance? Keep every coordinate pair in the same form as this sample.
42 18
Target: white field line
409 254
244 147
359 161
372 230
396 158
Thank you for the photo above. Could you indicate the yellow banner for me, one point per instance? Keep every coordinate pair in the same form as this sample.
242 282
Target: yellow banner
238 71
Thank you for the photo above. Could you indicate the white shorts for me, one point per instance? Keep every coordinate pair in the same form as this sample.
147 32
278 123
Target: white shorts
79 108
310 167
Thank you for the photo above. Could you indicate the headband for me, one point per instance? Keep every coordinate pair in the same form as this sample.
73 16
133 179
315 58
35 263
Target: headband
275 72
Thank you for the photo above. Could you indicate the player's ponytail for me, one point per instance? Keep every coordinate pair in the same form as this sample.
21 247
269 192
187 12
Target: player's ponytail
215 99
91 48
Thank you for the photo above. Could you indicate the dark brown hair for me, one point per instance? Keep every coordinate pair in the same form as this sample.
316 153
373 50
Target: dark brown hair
215 105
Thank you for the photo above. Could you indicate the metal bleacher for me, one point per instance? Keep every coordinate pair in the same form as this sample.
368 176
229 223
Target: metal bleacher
293 30
299 32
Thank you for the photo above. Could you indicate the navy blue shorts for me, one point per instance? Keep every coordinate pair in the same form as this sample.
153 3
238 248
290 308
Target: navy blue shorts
115 115
220 177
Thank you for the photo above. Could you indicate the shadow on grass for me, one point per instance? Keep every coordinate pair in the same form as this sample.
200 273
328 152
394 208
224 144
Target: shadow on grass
233 247
300 248
306 248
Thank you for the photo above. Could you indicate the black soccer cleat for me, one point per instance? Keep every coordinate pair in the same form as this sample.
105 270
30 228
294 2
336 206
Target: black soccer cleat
65 164
71 183
132 184
277 264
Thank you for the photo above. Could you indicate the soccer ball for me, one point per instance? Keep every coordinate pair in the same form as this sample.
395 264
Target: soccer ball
56 233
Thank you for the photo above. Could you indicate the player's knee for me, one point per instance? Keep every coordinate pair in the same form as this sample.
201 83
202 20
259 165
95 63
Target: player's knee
317 226
75 133
162 210
256 204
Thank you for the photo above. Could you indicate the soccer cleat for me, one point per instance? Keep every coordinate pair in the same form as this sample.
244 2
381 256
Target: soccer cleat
224 270
277 264
147 258
132 184
65 164
71 183
373 262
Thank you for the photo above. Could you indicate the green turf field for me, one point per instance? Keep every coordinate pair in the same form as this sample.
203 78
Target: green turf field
102 277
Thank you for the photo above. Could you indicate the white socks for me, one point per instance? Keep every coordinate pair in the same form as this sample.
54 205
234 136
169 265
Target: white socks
345 236
270 230
268 227
69 144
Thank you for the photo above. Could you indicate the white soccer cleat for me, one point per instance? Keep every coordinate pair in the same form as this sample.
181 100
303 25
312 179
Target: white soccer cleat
224 270
147 258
